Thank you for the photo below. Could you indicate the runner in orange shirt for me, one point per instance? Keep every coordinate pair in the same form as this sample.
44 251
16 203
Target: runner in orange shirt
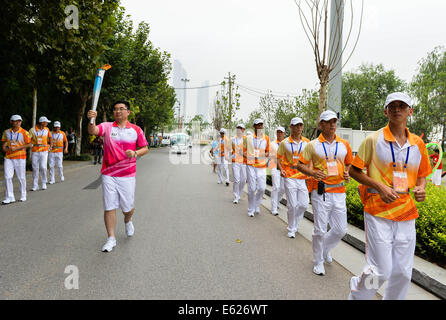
257 153
41 140
331 157
238 163
397 162
59 147
295 182
278 182
225 150
14 144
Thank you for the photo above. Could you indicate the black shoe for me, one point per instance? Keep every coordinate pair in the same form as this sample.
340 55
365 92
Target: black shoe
227 184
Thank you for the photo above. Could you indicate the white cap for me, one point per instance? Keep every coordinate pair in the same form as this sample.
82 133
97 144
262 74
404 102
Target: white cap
398 96
15 118
56 124
295 121
328 115
258 121
222 130
241 125
281 129
44 119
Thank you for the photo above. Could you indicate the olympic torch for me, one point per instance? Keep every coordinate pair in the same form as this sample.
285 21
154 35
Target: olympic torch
97 87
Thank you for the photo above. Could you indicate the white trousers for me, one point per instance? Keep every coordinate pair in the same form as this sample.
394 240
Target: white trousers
332 211
436 177
256 187
55 159
239 174
278 189
390 248
39 162
19 167
222 164
297 201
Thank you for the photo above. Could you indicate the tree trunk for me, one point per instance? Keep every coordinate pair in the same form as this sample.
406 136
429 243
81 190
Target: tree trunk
34 119
80 116
322 98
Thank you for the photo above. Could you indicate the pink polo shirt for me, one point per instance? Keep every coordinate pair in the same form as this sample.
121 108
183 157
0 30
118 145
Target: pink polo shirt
116 142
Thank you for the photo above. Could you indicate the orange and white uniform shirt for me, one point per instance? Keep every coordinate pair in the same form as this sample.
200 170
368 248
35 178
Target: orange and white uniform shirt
58 140
289 153
411 159
238 149
224 149
256 150
329 158
40 139
16 139
272 163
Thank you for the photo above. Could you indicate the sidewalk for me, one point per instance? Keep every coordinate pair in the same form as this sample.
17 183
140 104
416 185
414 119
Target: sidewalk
67 167
428 279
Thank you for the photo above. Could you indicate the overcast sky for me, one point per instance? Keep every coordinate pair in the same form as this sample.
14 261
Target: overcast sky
263 44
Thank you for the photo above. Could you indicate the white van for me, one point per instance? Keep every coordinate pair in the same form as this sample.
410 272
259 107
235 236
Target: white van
166 140
179 143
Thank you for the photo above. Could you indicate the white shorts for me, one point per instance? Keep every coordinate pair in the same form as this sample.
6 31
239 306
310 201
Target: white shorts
118 192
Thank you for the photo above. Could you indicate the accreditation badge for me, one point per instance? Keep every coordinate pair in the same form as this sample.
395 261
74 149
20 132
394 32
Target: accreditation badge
256 153
295 159
400 182
39 140
332 168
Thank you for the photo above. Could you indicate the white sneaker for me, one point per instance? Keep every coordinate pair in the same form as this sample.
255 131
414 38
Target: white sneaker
22 199
34 189
219 182
44 186
8 201
275 213
52 182
235 201
319 269
251 214
328 258
62 179
291 235
109 245
257 211
129 229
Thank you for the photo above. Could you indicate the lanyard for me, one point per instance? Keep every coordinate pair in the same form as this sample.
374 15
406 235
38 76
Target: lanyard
12 135
393 156
56 138
258 144
326 155
292 149
40 135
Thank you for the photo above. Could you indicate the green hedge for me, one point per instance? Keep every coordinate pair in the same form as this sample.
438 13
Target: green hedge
430 225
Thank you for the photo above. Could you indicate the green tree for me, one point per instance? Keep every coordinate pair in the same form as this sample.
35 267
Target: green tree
429 89
83 52
364 93
226 103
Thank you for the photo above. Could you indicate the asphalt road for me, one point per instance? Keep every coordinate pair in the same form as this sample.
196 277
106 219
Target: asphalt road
185 244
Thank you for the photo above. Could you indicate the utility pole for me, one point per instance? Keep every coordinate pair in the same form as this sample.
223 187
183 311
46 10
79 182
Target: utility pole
334 98
185 80
230 100
179 108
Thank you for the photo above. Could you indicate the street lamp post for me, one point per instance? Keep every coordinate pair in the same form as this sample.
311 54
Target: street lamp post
185 80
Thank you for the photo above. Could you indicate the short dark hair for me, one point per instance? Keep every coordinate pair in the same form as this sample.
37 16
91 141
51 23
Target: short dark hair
126 103
437 150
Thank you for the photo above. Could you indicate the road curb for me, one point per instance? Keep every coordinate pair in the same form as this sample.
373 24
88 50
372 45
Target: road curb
418 277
